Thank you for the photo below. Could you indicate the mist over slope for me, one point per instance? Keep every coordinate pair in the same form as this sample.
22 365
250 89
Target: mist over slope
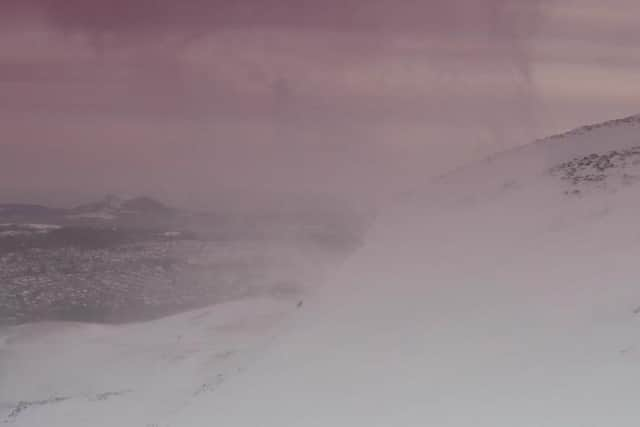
506 294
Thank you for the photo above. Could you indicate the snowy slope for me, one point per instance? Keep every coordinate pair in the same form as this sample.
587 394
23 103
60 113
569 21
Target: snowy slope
57 374
505 294
499 297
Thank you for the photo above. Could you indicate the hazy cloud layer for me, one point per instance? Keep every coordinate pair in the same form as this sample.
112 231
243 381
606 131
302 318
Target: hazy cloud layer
506 18
505 25
199 97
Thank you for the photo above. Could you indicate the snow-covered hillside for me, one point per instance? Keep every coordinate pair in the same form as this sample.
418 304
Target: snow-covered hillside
68 374
499 297
504 294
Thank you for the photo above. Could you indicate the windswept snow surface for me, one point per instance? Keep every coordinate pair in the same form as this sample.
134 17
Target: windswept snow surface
505 294
67 375
499 297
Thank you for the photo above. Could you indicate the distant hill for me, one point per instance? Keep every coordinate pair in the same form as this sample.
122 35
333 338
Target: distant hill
110 208
113 206
11 211
145 205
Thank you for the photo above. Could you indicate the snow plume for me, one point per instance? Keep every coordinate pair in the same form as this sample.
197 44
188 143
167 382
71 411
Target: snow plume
516 24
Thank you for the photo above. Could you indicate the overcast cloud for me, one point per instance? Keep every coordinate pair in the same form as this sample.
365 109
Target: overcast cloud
200 101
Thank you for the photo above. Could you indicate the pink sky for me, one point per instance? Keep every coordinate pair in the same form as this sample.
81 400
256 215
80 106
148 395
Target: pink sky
201 101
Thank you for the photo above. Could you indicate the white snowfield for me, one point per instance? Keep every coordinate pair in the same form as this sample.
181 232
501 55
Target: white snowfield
505 294
67 375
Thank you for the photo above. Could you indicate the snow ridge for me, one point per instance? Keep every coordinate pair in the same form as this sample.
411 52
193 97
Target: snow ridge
633 120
